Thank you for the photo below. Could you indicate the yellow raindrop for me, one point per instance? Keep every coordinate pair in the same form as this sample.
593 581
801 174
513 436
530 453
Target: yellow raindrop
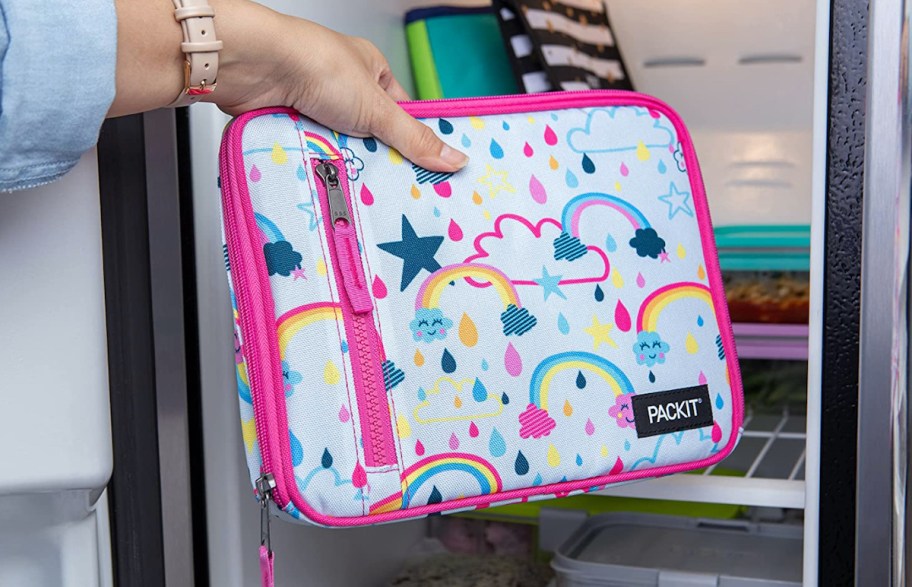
476 198
568 409
552 162
727 376
681 252
617 186
642 152
690 343
477 123
331 373
279 156
604 450
701 273
395 156
531 119
468 334
616 279
321 267
248 431
457 402
416 193
402 426
553 455
419 358
487 215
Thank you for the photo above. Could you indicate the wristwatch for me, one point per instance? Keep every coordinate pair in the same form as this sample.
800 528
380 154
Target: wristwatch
201 50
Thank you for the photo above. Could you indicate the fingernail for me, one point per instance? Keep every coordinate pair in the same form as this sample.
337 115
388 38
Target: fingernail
453 157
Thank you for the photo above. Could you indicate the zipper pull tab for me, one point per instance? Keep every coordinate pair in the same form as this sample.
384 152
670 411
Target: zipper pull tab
338 207
265 486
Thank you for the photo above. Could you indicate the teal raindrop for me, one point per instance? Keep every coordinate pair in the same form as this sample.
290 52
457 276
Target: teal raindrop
562 324
599 293
302 175
554 116
580 380
537 481
652 377
496 150
700 321
344 346
297 453
466 141
435 496
327 459
479 392
496 445
579 460
588 165
626 445
445 126
447 362
662 168
521 465
421 394
436 212
505 399
610 245
484 364
505 125
571 179
720 403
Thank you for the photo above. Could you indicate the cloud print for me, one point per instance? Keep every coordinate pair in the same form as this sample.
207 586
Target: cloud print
610 130
520 249
440 402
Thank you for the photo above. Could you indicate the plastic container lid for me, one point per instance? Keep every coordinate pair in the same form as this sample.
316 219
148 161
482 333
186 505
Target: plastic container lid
666 551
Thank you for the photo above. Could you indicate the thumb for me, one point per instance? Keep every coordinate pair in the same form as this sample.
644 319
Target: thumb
416 142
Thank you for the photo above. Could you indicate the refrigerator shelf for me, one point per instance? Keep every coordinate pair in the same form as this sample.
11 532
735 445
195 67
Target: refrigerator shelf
772 341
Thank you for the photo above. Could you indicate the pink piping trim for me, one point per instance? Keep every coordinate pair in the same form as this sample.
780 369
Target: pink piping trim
504 105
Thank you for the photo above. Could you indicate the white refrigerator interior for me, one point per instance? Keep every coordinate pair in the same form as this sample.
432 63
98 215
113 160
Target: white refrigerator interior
749 78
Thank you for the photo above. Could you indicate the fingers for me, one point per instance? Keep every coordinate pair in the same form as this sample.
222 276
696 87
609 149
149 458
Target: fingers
418 143
396 91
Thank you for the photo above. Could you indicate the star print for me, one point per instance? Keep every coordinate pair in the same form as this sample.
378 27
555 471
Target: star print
550 284
663 257
677 201
599 333
498 185
298 274
416 252
308 209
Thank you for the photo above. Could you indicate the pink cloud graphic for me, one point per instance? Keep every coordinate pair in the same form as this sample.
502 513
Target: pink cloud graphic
535 422
525 236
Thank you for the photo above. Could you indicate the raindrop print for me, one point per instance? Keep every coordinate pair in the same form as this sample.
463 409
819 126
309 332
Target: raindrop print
395 156
435 496
604 451
622 317
681 252
562 325
617 186
327 459
344 346
590 427
701 273
255 174
454 231
331 373
553 455
370 144
527 150
521 465
359 476
716 432
447 362
445 126
539 195
457 402
626 445
700 321
720 403
652 377
422 395
367 198
344 415
537 481
550 136
302 175
476 198
662 168
616 279
552 163
641 281
419 358
454 442
599 293
468 333
571 179
617 468
554 116
690 344
512 361
701 380
466 141
279 156
378 288
297 452
568 409
504 398
496 444
505 125
479 391
579 460
580 381
610 244
473 430
642 152
625 171
416 193
402 426
496 150
321 268
484 364
443 189
588 165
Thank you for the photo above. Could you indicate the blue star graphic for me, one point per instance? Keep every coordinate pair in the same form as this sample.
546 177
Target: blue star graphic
308 208
550 284
416 252
677 201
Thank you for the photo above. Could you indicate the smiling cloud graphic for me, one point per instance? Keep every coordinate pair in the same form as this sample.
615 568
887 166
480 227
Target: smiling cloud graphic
453 401
623 128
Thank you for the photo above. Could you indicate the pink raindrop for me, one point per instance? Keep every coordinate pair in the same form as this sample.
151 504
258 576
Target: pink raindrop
443 189
419 448
255 174
455 231
590 427
622 317
701 380
359 476
537 190
550 137
624 170
716 432
344 415
527 150
366 196
512 361
454 442
617 468
654 113
473 430
641 281
379 288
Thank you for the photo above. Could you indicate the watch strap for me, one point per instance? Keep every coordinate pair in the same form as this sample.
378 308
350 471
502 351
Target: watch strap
201 50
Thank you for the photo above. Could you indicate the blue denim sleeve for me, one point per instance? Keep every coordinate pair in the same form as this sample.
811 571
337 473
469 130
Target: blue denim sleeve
57 64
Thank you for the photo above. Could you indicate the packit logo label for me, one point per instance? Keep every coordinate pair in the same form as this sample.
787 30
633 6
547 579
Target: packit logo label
672 411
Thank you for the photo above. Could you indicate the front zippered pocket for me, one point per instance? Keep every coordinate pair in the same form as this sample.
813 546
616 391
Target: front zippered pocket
364 345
